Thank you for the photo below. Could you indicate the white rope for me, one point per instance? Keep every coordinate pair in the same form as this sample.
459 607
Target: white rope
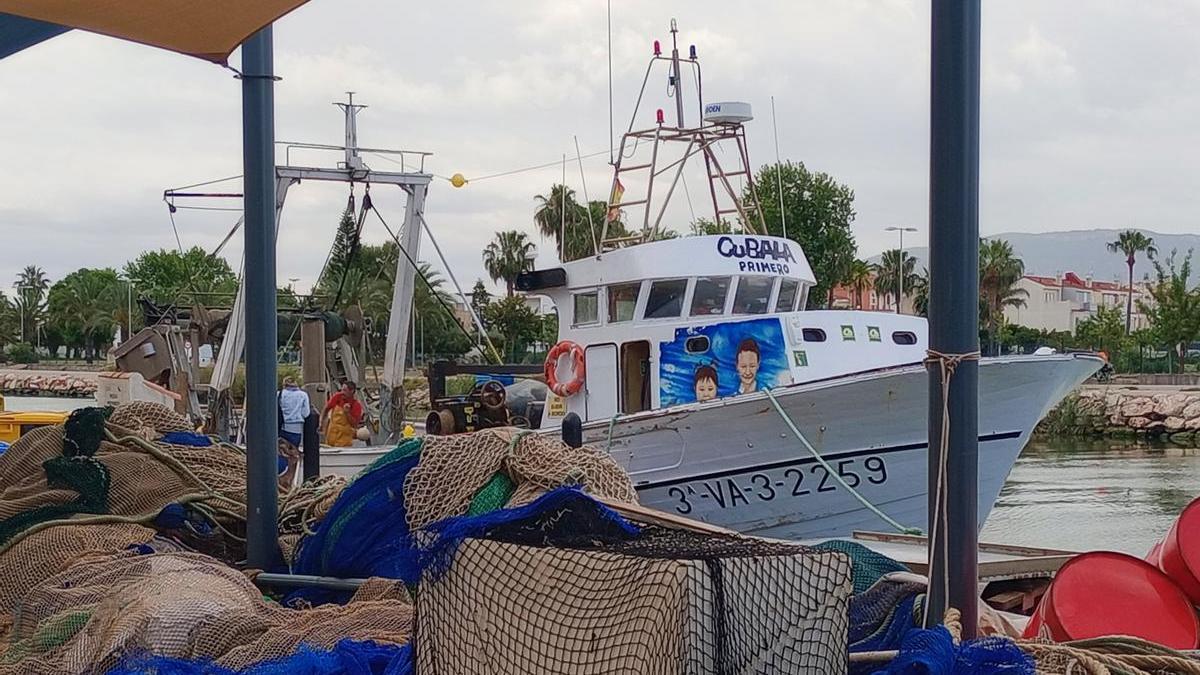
834 474
947 363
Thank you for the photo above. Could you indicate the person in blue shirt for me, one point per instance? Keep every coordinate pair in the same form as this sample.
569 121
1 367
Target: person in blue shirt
294 407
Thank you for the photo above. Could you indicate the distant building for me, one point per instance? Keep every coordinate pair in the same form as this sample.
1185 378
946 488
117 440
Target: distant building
1061 302
845 297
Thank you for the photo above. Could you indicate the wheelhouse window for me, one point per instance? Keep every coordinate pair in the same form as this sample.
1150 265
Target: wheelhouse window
789 289
753 295
622 300
709 296
665 300
587 308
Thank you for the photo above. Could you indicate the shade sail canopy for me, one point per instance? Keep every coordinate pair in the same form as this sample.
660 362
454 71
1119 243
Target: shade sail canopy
208 29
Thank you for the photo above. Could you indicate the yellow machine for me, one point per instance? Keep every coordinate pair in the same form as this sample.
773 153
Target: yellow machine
14 424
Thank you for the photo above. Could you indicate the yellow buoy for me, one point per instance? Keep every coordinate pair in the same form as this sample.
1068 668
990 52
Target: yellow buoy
458 180
409 431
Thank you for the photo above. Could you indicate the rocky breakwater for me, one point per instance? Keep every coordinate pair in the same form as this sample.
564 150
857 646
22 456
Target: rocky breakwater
60 385
1127 412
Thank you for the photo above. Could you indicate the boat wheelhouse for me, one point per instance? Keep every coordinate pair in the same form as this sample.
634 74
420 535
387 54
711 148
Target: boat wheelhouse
699 318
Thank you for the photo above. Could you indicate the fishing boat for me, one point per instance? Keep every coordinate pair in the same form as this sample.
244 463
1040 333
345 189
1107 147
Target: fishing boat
695 363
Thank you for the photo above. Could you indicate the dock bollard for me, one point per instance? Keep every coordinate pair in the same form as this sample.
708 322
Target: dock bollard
572 430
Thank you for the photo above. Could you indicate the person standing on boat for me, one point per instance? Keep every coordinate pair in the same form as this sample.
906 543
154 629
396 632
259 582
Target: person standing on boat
342 416
294 407
748 358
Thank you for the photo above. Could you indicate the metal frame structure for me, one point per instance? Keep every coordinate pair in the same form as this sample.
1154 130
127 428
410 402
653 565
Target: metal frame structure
252 327
702 140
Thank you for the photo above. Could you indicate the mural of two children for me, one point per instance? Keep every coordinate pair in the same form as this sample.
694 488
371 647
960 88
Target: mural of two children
741 357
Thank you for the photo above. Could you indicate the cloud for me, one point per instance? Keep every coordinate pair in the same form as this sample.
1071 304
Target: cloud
1085 120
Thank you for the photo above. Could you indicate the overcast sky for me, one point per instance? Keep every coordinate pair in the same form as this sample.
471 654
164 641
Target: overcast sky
1089 117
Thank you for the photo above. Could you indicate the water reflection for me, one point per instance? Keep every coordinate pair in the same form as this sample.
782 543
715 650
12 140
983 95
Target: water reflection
1091 494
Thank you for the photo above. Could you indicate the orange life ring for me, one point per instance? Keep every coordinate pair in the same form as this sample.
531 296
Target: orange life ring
578 369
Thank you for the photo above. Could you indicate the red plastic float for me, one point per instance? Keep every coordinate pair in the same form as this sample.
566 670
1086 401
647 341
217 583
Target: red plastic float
1178 553
1106 593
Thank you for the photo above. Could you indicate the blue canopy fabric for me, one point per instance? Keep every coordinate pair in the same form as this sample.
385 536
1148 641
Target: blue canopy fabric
18 33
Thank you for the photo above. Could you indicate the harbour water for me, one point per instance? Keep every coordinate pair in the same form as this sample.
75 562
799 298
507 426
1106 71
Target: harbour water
1094 494
1071 493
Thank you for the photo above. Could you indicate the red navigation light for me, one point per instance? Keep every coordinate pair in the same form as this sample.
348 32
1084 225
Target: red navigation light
657 49
659 116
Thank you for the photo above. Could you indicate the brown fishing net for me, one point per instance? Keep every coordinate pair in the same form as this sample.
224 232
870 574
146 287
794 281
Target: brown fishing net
671 603
88 617
453 469
123 478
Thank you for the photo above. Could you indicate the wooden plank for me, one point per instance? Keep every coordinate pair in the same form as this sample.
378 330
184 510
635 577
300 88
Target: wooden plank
642 514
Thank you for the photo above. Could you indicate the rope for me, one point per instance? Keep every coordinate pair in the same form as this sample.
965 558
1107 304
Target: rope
611 423
834 474
947 363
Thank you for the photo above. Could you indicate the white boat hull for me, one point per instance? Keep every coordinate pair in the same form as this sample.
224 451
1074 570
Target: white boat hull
733 462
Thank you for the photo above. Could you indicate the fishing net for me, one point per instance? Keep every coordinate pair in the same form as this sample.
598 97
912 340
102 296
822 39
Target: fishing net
388 520
612 598
116 468
453 470
98 612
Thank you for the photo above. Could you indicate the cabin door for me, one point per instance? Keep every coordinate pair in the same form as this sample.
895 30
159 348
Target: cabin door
601 382
635 376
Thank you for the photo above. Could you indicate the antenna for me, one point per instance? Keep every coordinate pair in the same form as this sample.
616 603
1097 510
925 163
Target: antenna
611 148
675 79
353 161
778 170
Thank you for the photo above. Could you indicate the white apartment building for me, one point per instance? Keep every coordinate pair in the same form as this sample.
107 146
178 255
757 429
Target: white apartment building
1062 302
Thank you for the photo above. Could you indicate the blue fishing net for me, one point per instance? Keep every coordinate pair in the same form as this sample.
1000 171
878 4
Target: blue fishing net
366 531
187 438
348 657
933 652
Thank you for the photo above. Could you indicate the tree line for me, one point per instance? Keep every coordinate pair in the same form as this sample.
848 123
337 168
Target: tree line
82 311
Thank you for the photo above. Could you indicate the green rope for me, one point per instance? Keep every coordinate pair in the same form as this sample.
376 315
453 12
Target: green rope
829 469
612 422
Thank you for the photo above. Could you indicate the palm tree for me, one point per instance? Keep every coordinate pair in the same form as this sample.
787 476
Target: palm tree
858 280
999 271
560 211
509 254
1131 242
893 265
31 286
920 293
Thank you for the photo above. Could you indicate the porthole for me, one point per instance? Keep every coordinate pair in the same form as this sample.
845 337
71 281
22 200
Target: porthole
904 337
697 345
813 335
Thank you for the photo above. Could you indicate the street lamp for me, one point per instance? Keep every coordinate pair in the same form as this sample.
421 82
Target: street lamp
128 304
900 262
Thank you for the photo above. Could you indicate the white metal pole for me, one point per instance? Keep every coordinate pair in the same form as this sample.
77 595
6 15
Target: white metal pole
900 296
778 170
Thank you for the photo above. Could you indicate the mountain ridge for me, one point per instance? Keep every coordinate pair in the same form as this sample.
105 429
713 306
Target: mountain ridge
1083 252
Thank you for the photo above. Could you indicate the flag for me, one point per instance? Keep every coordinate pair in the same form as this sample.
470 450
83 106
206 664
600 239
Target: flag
614 209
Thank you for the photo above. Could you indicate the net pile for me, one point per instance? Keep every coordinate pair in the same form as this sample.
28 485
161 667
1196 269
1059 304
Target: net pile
100 523
98 612
392 516
120 529
99 484
565 585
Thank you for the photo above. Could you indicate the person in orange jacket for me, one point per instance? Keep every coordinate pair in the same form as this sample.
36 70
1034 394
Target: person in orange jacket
342 416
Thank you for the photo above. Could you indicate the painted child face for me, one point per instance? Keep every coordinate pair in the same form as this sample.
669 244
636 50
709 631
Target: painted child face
747 368
706 389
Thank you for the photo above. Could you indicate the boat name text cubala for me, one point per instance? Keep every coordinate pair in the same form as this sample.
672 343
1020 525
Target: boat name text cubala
756 250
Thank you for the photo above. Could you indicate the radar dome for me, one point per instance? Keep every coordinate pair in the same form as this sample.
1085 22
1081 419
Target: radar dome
728 112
